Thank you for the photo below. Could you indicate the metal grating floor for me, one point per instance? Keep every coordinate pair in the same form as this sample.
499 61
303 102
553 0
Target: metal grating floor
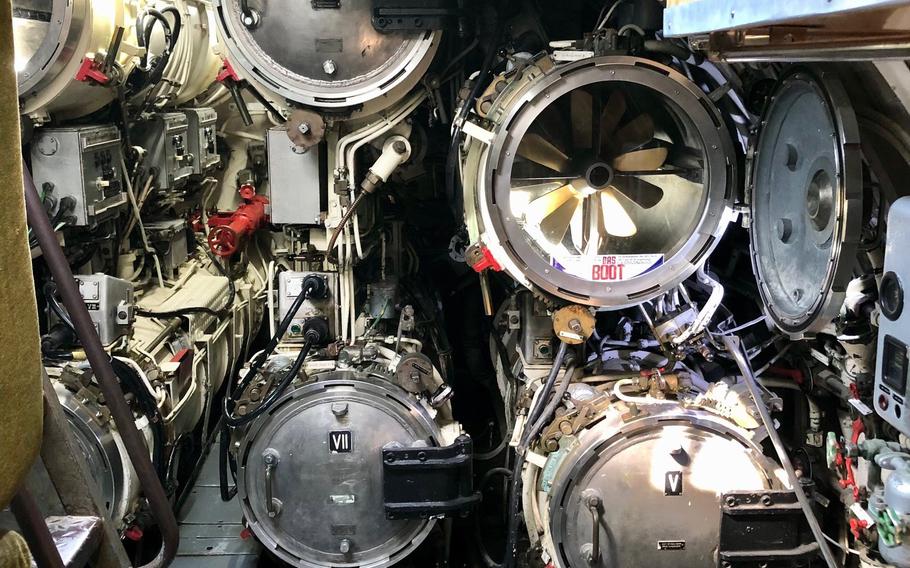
210 528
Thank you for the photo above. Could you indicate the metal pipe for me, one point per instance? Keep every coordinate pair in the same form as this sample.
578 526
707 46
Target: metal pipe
34 529
732 343
104 373
172 325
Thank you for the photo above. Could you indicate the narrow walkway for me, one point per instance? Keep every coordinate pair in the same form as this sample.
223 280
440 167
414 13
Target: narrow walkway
210 528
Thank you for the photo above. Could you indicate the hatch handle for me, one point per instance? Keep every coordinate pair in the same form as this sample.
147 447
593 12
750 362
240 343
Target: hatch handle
270 458
593 502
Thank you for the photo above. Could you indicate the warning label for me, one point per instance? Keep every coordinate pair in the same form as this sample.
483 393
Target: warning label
608 267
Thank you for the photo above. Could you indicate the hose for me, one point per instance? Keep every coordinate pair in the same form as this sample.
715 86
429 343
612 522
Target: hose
100 362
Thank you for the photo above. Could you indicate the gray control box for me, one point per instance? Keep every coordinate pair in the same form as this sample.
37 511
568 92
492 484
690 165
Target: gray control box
892 366
289 286
294 182
165 137
110 304
201 138
82 163
170 240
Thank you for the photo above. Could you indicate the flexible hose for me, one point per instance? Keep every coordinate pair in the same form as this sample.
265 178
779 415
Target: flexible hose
100 362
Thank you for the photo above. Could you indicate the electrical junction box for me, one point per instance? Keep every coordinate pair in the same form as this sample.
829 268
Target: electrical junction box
110 304
892 365
289 286
201 138
165 137
294 181
81 163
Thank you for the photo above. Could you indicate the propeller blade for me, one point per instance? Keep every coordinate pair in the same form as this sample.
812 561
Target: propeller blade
545 205
643 193
582 105
577 226
615 218
636 132
556 224
523 195
537 149
610 117
647 159
586 226
553 127
612 113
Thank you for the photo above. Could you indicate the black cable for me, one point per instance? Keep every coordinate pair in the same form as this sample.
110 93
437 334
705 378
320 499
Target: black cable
50 291
224 458
131 382
145 33
265 102
224 454
286 380
310 285
479 84
536 412
548 411
537 409
461 55
178 23
494 471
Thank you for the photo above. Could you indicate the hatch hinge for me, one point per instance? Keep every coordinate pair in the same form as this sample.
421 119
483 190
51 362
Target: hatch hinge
423 482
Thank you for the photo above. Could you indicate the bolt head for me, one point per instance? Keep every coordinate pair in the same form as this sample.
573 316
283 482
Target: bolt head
304 128
344 546
329 67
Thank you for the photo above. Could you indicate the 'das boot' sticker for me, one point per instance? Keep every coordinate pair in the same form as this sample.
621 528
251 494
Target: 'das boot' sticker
608 267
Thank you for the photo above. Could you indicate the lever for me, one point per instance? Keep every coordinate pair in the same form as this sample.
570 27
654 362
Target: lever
593 502
272 505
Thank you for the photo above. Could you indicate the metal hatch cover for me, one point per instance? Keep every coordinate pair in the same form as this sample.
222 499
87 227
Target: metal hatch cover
310 475
806 201
322 54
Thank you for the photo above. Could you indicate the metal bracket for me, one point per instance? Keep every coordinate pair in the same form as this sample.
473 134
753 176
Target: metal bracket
420 482
415 15
767 527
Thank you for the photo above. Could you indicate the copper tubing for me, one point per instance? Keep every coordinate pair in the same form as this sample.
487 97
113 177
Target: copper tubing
34 529
101 366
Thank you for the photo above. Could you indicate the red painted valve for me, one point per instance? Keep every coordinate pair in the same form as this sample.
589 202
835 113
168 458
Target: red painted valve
228 230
